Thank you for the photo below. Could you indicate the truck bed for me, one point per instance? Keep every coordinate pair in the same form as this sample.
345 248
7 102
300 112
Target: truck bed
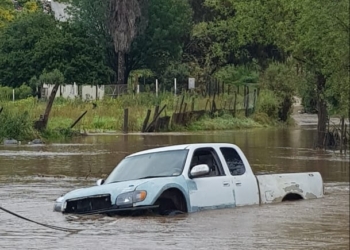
280 187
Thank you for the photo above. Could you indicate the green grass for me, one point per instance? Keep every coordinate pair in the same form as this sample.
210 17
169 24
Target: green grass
17 118
225 122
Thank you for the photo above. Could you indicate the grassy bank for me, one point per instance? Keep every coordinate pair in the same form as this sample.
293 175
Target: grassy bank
17 117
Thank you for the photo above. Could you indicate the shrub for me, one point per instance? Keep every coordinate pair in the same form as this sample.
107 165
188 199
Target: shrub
23 92
5 93
17 126
282 79
268 103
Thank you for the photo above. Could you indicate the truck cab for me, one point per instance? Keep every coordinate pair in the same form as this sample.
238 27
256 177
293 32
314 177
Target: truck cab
231 181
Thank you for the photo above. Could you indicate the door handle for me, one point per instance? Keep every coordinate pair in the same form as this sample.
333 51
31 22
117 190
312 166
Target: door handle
238 184
226 184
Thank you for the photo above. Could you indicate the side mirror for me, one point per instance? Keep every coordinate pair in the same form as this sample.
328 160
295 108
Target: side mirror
100 182
199 170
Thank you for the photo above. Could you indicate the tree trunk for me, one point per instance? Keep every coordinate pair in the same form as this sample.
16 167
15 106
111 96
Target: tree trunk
42 122
121 68
322 113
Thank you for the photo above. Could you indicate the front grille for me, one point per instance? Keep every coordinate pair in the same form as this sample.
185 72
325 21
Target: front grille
88 204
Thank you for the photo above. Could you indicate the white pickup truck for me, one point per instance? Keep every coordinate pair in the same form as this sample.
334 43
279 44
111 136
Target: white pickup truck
187 178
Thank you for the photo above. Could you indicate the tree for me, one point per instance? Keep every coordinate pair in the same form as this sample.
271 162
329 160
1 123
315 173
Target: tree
36 42
7 13
314 33
157 37
123 21
55 77
162 42
91 16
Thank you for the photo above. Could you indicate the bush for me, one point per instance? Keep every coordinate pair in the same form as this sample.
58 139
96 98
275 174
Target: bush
282 80
17 126
5 93
268 103
23 92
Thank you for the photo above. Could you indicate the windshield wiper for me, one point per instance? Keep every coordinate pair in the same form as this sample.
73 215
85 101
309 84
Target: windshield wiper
154 176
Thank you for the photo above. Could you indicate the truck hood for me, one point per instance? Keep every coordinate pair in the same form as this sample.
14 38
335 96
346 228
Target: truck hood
114 189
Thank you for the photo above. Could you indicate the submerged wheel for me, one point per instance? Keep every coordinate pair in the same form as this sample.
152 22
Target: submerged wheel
292 197
171 202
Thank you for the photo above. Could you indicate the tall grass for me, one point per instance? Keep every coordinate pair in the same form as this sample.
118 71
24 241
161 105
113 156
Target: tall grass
107 115
16 120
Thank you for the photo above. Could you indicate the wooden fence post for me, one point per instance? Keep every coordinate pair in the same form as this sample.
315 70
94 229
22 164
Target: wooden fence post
156 110
235 104
145 123
254 102
126 120
342 134
77 120
154 120
247 102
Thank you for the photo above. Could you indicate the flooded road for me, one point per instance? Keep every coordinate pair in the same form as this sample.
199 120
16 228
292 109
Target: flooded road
32 177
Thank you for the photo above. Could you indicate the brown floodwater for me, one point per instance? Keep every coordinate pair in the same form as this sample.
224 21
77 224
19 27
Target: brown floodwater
32 177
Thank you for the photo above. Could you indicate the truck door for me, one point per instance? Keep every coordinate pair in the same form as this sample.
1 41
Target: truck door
213 190
245 184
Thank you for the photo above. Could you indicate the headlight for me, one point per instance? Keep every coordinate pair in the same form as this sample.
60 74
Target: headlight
59 204
131 197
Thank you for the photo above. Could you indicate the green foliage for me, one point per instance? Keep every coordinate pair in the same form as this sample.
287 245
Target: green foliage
306 90
226 122
280 45
237 75
5 93
263 118
52 77
91 17
268 103
162 41
159 42
23 92
177 70
7 13
16 125
282 80
314 33
59 133
36 42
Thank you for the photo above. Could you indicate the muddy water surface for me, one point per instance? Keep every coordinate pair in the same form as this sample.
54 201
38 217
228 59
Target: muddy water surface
32 177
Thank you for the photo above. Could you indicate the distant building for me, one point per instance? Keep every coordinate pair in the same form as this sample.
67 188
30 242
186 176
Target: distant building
69 91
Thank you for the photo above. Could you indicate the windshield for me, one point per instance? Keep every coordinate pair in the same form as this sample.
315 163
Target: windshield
152 165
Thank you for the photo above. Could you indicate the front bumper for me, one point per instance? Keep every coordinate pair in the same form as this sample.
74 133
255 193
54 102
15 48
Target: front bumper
58 207
93 205
117 210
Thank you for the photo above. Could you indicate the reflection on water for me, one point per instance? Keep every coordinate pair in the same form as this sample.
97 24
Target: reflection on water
31 177
267 150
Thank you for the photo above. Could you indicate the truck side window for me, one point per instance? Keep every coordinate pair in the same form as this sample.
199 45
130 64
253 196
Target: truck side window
233 161
209 157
